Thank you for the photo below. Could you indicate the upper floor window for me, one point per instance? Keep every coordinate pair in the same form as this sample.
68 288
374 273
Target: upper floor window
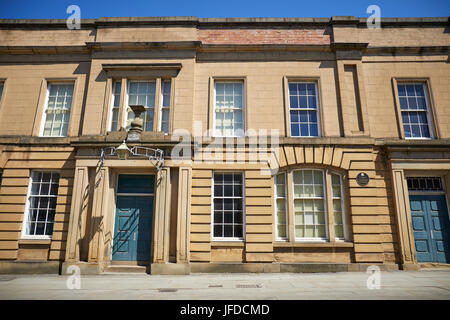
1 90
41 205
229 108
164 123
304 109
115 105
308 205
57 110
141 92
415 110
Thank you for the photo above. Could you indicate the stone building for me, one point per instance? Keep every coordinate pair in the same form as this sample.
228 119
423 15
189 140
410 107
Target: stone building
354 121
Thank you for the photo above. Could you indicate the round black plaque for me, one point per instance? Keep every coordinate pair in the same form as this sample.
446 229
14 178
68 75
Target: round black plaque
362 178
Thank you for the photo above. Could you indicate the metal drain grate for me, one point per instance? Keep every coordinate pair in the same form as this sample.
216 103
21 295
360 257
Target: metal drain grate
167 290
248 286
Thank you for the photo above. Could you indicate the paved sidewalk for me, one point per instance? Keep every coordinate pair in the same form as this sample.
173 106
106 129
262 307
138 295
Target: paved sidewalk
425 284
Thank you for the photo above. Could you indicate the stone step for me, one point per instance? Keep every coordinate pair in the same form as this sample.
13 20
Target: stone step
125 269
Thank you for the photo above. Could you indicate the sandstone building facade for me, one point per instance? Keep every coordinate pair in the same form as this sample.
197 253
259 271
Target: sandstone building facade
356 122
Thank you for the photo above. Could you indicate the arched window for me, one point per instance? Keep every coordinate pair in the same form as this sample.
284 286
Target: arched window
309 205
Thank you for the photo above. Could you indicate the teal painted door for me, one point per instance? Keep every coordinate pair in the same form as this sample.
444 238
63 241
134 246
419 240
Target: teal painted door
431 227
133 221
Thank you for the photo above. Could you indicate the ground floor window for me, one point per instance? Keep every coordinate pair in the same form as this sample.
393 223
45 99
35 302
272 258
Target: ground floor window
41 205
228 203
308 197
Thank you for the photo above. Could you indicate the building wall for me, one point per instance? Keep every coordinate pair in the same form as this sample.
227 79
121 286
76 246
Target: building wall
355 68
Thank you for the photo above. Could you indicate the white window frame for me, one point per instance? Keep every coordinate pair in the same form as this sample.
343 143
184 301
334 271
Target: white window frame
342 198
44 113
161 102
304 109
325 207
26 217
225 239
286 199
428 112
126 105
243 109
113 100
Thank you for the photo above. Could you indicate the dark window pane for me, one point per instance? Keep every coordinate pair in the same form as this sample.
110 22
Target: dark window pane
292 88
218 204
228 217
419 90
42 215
294 116
304 130
218 230
407 130
312 102
50 216
218 217
237 204
238 217
218 178
45 189
54 189
421 103
228 231
293 101
237 179
302 89
401 90
32 228
52 204
46 177
303 116
43 203
303 102
228 204
415 131
227 178
218 191
412 104
312 116
40 228
410 90
49 229
425 131
238 231
422 117
403 103
414 117
238 191
294 130
311 89
313 130
228 190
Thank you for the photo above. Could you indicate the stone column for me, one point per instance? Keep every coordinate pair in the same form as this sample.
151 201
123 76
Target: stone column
403 217
97 217
161 228
184 214
79 204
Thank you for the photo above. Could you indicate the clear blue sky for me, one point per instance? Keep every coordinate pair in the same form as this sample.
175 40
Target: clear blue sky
56 9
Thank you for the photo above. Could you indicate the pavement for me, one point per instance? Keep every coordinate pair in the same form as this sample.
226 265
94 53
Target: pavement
424 284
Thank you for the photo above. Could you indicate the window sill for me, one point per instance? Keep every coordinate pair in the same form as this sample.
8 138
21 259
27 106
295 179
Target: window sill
35 241
313 244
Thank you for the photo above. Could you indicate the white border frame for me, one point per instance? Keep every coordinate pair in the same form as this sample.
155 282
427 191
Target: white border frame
43 117
214 107
319 124
225 239
23 235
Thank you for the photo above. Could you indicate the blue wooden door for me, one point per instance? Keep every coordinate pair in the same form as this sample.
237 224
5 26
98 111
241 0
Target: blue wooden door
133 221
431 227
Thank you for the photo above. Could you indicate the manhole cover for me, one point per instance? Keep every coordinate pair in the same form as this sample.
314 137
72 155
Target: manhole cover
167 290
247 286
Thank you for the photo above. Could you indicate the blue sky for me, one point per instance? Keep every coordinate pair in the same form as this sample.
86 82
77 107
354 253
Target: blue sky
46 9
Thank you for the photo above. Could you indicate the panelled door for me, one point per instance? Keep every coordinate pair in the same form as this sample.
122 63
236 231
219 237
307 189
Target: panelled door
134 216
431 227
